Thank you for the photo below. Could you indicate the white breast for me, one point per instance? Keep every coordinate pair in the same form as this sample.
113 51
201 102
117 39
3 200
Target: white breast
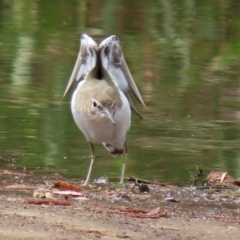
98 130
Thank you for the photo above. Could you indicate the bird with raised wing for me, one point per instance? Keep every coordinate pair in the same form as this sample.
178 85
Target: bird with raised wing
100 109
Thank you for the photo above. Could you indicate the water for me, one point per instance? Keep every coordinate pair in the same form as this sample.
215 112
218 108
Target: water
184 57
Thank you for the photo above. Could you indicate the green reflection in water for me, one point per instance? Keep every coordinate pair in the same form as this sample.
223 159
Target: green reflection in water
184 56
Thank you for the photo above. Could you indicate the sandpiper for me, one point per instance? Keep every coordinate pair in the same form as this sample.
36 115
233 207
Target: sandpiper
99 105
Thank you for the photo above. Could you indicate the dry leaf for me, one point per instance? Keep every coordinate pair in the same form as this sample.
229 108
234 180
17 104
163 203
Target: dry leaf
66 186
68 193
218 177
20 186
48 202
153 212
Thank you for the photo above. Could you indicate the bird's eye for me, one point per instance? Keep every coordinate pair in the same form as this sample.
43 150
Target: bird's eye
115 38
94 104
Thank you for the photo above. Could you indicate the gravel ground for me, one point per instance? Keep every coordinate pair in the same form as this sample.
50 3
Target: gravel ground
165 212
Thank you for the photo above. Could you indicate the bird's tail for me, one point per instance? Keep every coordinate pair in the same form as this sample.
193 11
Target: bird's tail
116 151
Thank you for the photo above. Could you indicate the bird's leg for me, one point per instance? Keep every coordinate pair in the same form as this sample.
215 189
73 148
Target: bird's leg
124 159
86 183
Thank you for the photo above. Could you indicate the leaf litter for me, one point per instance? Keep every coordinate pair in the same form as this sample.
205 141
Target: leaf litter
208 201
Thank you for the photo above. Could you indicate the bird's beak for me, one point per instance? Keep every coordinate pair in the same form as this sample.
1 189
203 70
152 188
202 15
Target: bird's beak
109 116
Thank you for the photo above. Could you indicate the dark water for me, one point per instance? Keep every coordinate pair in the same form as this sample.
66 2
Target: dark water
183 55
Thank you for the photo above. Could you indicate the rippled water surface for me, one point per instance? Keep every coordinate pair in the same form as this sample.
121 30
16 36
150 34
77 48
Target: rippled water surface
183 55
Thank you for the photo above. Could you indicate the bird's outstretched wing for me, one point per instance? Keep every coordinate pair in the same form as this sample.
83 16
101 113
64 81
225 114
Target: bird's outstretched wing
113 61
85 61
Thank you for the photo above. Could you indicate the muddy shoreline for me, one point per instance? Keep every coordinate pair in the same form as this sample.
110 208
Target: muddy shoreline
122 213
